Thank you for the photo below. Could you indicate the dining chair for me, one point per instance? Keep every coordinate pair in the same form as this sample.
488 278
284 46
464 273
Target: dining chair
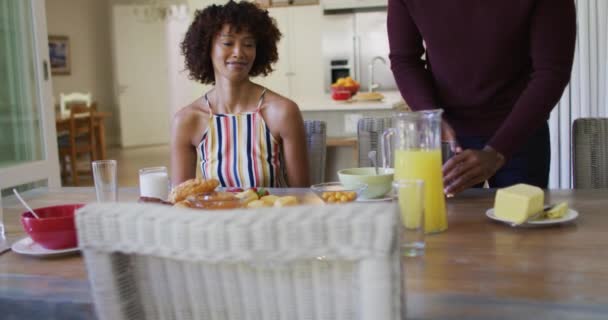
147 261
316 145
369 137
67 99
79 140
590 153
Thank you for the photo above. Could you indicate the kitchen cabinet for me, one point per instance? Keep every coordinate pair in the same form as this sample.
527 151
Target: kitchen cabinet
299 72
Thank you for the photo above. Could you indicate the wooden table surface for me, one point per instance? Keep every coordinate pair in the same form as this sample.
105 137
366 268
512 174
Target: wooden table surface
477 269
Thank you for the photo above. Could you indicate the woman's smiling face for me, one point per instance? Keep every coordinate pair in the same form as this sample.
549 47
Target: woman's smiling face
233 54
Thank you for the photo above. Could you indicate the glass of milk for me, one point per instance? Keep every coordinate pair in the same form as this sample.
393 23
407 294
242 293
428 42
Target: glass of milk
154 183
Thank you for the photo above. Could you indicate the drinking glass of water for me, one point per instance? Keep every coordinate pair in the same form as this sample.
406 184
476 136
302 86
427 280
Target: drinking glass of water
154 183
105 178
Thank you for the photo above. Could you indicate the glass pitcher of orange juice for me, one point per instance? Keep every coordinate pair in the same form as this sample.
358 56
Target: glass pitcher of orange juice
413 146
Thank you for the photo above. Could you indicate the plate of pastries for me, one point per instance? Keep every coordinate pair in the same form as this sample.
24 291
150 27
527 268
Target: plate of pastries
204 194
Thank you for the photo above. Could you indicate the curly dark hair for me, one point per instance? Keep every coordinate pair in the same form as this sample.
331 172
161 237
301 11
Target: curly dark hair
243 15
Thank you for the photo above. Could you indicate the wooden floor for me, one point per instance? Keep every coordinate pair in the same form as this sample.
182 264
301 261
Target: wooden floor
130 160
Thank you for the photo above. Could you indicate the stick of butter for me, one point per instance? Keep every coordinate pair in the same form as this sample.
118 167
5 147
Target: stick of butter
518 202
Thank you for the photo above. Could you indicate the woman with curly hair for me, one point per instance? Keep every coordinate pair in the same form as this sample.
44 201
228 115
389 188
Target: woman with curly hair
245 134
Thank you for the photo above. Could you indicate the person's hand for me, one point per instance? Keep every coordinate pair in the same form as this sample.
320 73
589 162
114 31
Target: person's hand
469 168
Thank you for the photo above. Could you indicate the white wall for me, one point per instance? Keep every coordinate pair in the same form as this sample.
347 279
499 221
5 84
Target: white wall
87 24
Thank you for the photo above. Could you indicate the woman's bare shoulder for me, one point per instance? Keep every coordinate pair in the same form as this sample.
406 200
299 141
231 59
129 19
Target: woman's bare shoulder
280 105
191 114
281 114
190 122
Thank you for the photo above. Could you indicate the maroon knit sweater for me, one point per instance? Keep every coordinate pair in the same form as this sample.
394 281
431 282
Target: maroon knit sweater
497 67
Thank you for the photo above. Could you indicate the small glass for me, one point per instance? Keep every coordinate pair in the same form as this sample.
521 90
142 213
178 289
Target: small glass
448 150
105 178
154 183
410 193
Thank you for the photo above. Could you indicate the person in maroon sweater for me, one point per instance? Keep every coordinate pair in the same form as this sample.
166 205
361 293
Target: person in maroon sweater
496 68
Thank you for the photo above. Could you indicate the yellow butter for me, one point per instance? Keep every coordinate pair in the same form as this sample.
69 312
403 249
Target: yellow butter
558 211
518 202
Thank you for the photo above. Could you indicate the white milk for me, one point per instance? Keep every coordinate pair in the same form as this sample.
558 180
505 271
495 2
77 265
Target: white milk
154 185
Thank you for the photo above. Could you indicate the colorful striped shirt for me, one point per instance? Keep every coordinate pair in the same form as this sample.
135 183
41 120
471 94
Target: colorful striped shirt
240 151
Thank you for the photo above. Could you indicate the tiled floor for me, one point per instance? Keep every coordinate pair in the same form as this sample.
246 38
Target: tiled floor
130 160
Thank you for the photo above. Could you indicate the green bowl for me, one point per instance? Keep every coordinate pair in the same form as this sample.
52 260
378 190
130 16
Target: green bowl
377 185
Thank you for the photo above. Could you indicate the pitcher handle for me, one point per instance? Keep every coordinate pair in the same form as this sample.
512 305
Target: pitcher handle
387 147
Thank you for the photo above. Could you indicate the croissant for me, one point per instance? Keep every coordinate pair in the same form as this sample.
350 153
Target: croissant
192 187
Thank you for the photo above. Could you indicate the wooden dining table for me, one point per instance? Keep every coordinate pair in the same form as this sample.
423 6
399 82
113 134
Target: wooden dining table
477 269
62 124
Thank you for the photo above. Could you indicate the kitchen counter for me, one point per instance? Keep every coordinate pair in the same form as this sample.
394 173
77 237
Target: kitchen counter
341 120
392 100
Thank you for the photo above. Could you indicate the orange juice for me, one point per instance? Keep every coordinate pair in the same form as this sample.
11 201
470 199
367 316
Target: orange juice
425 165
411 206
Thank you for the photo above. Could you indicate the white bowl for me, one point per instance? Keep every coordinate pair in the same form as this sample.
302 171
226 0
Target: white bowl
377 185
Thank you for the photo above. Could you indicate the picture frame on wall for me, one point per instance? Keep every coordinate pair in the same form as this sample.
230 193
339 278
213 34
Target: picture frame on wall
59 55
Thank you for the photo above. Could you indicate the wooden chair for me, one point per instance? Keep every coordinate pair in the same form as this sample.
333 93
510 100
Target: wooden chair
149 261
79 140
316 145
590 153
369 137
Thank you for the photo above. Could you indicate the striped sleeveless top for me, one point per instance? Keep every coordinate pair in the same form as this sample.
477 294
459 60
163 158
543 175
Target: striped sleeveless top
239 150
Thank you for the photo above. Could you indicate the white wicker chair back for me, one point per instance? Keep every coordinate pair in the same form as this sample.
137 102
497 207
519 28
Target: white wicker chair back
304 262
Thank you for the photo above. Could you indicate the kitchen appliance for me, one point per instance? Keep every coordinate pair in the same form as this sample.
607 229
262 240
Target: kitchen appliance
339 68
360 41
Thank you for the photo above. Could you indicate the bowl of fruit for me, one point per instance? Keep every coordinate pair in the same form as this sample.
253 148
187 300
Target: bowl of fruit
340 88
340 94
336 192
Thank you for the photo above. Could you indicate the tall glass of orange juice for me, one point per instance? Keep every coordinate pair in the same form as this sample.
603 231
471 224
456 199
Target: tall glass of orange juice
414 146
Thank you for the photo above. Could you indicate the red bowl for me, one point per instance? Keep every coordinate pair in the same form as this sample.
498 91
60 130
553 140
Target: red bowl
55 229
340 94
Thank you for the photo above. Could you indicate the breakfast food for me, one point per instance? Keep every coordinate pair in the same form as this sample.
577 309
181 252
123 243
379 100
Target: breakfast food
201 194
273 201
269 199
183 204
247 196
338 196
518 202
257 204
192 187
558 211
286 201
215 200
369 96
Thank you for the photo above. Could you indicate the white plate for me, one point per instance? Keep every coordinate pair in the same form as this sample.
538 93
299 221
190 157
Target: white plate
27 246
569 216
387 197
